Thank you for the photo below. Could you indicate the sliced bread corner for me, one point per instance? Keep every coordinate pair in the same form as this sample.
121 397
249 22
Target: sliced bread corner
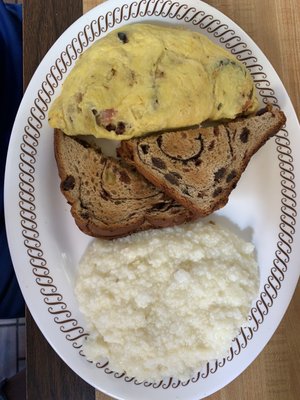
200 167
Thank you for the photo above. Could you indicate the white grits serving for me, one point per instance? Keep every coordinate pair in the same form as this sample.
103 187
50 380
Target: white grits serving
162 303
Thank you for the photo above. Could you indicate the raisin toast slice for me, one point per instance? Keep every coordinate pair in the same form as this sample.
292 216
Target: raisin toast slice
200 167
108 198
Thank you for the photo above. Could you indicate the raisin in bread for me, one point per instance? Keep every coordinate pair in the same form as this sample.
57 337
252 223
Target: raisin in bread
108 198
200 167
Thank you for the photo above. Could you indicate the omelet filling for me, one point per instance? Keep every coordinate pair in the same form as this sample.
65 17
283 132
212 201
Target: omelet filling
144 78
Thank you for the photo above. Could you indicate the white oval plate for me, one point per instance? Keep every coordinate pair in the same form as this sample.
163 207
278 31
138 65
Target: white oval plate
46 245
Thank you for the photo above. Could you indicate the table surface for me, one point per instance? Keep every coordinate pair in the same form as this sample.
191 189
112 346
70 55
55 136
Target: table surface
274 26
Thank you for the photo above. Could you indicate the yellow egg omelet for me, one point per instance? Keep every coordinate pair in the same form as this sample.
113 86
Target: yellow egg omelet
144 78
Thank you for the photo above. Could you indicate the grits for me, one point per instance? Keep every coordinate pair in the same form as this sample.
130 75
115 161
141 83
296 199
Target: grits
161 303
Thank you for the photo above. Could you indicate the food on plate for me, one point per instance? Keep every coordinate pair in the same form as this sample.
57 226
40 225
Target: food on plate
120 90
161 303
192 171
143 78
109 198
200 167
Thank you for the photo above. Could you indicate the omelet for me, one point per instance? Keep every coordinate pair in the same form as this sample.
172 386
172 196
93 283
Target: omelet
145 78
